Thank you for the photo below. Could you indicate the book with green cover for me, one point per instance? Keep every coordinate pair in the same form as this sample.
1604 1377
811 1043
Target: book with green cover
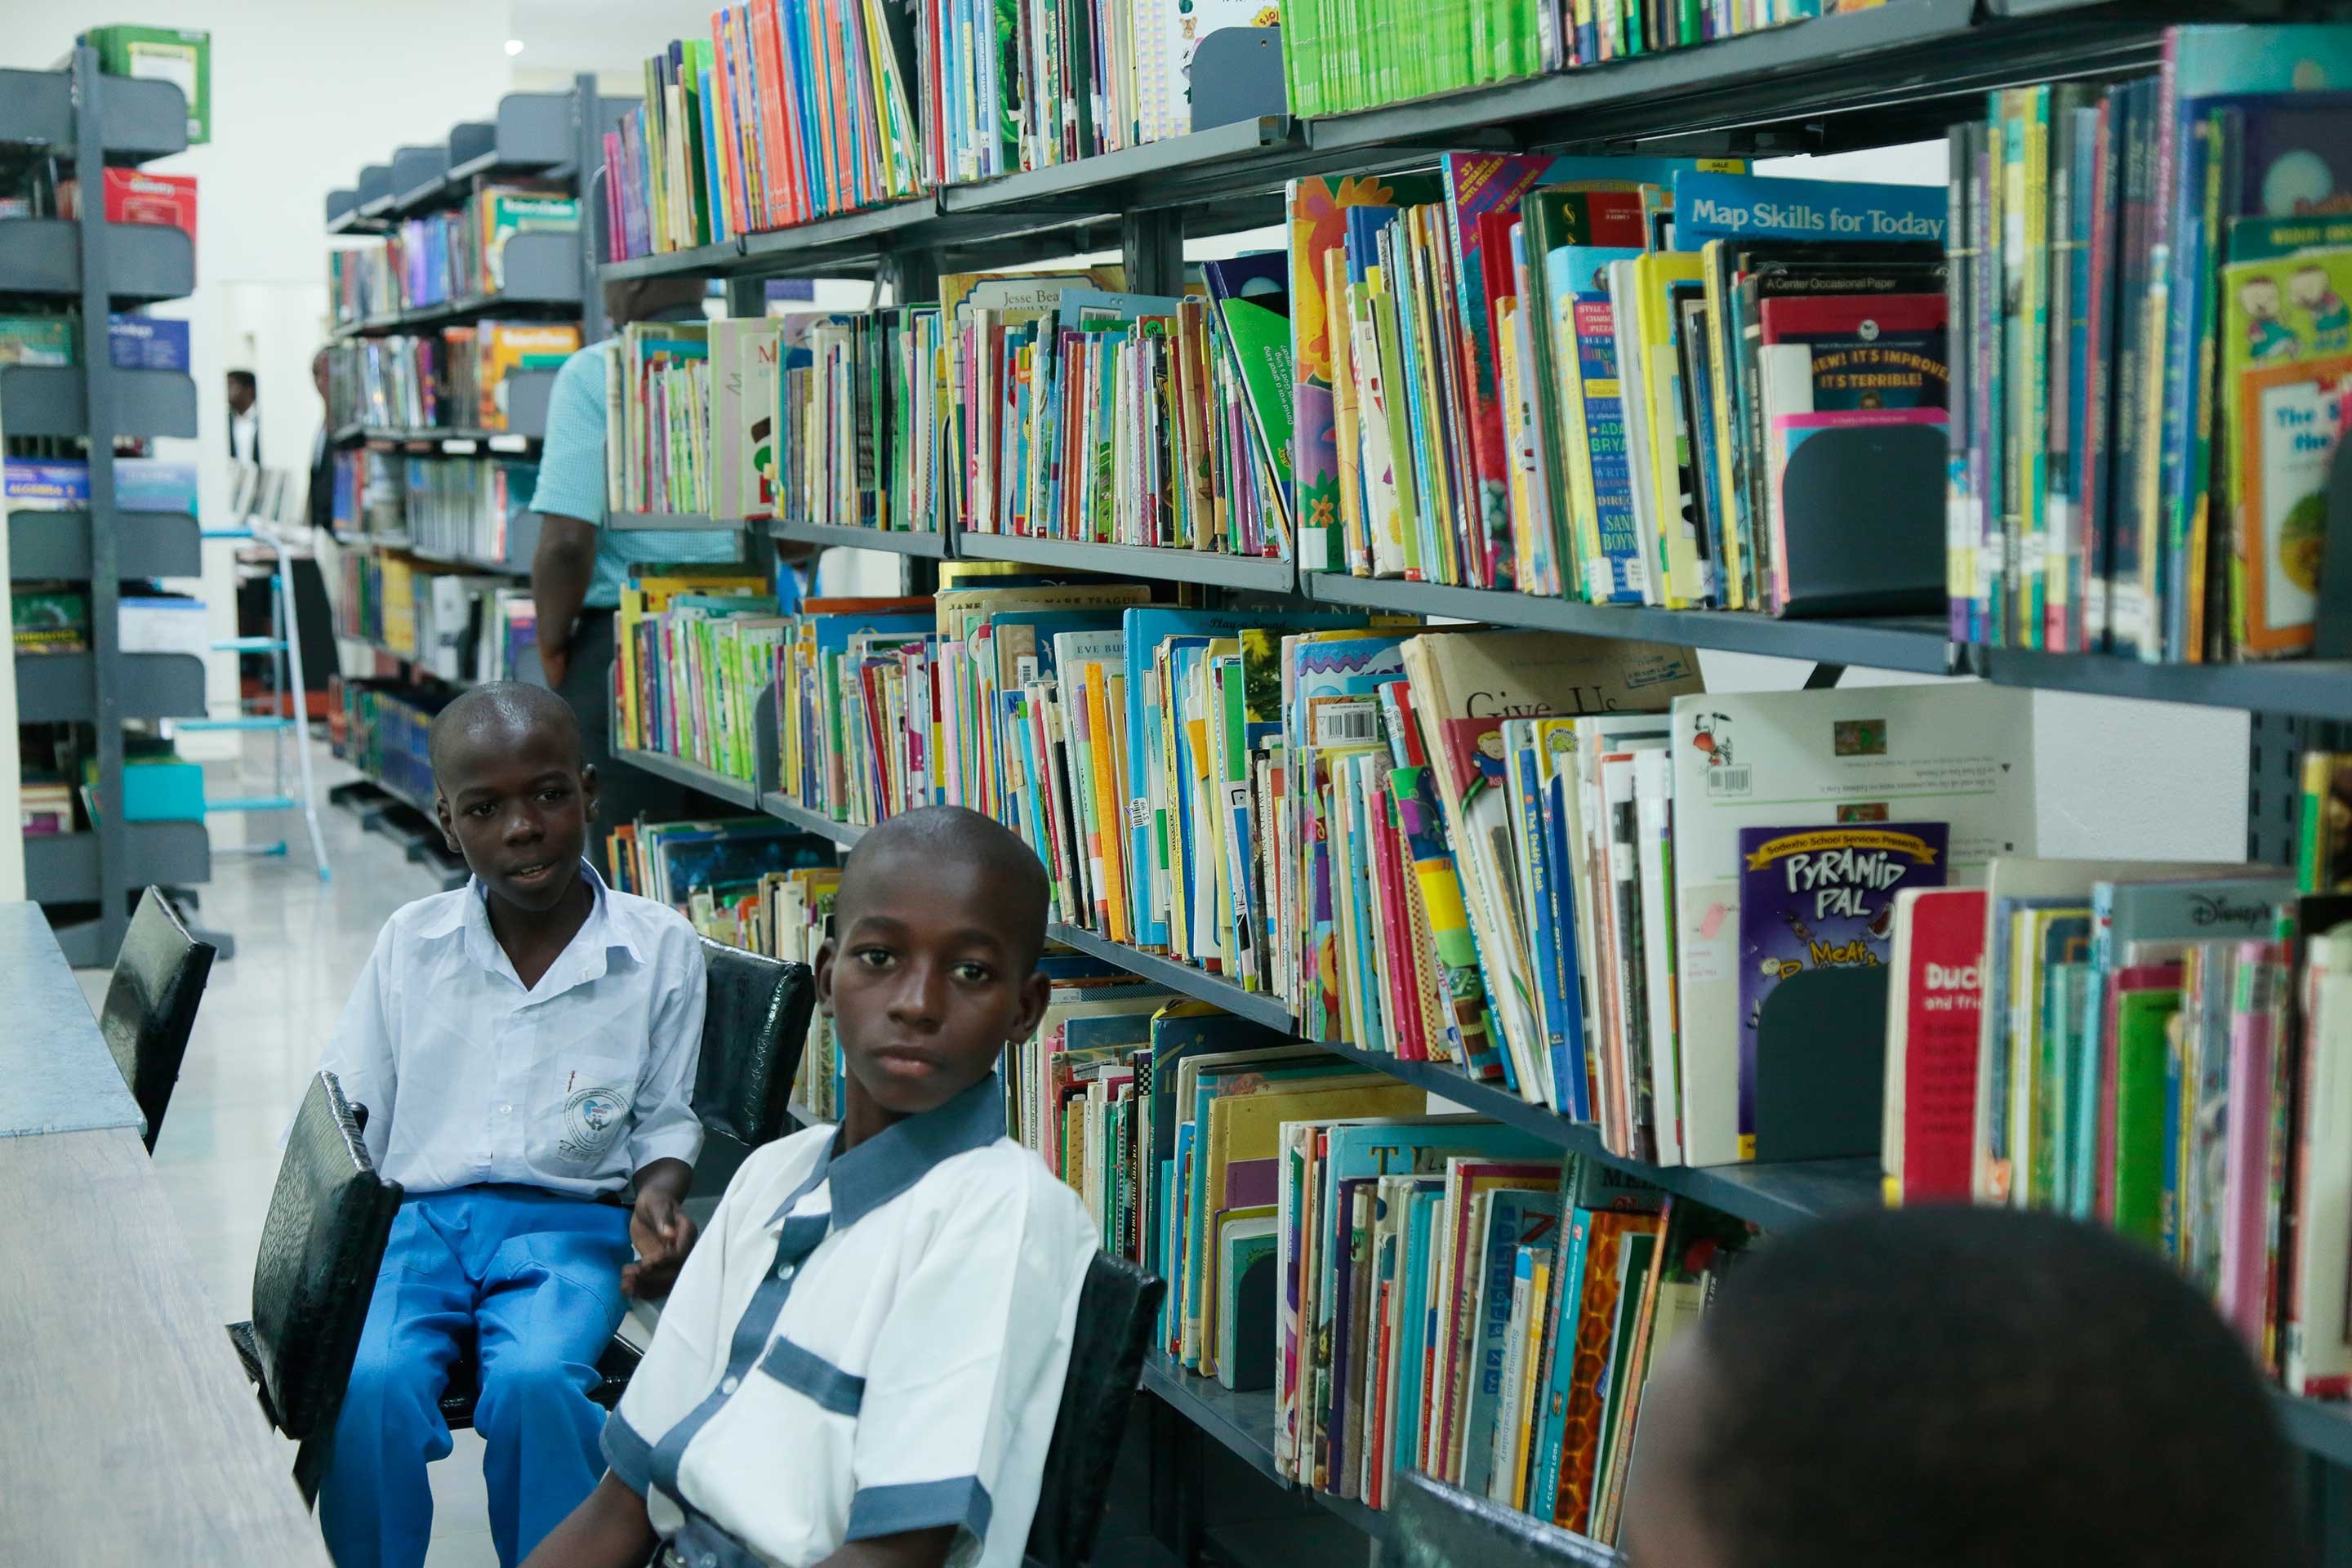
1252 293
2147 996
180 55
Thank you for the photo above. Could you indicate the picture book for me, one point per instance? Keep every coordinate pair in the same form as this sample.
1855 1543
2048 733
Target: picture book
1820 897
1818 759
2286 360
1935 994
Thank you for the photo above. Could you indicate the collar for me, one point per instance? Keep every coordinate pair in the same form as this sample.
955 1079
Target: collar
598 935
903 1154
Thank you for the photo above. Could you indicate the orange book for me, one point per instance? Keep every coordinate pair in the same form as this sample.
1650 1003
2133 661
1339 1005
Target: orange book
1110 814
772 57
1596 1321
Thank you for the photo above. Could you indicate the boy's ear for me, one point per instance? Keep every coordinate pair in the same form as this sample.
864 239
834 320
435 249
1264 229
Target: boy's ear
449 831
588 791
1034 991
824 977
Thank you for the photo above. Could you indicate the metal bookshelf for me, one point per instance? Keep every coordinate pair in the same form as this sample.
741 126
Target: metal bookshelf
78 112
1874 78
784 809
934 546
548 135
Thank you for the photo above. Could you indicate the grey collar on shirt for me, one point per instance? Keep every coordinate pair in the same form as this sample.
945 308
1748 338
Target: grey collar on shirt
903 1154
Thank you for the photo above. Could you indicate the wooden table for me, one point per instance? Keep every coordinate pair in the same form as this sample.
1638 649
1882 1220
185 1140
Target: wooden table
128 1435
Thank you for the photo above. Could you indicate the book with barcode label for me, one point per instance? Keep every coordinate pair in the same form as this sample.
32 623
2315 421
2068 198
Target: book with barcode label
1961 756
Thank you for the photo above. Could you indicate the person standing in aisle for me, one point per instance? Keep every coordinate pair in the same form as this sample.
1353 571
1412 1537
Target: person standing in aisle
322 450
577 574
244 422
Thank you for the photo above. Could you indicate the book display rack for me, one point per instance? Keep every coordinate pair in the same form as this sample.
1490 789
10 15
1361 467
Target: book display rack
1871 77
80 114
430 510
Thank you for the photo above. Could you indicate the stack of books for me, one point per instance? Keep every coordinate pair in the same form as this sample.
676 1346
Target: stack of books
2153 278
463 508
785 114
385 730
697 652
445 256
658 443
2160 1049
1360 54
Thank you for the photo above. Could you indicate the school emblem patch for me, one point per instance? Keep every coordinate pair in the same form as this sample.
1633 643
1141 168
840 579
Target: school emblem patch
591 1119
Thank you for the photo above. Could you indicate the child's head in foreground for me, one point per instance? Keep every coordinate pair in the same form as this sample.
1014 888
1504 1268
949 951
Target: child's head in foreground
1958 1388
931 969
510 790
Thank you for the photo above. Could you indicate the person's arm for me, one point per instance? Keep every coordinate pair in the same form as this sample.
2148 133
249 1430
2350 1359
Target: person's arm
608 1530
667 1135
570 500
561 571
658 1228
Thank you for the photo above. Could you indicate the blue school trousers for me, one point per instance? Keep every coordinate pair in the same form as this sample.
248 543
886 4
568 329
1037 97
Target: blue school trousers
534 1280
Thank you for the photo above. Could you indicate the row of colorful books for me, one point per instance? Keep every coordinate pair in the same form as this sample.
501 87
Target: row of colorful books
444 256
695 651
457 625
464 507
658 445
2166 1049
1360 54
1589 909
1435 1293
790 112
455 378
384 732
2152 277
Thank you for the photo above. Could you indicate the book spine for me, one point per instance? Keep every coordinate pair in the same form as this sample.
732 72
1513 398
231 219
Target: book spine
1961 527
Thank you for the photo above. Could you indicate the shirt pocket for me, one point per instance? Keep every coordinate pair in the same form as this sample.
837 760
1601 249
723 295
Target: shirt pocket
587 1088
775 1467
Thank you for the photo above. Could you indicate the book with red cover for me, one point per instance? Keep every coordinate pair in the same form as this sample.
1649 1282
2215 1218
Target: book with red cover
1937 998
133 195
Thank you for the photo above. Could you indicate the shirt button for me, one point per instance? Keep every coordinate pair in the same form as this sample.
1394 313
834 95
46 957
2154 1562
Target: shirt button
730 1386
785 1272
506 1111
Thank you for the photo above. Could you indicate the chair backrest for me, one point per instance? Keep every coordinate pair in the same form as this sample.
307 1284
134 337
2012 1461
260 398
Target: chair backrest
1438 1526
321 1248
1115 1310
150 1003
753 1026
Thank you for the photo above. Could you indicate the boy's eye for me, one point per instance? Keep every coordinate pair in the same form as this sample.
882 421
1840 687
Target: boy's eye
552 794
481 810
973 974
874 957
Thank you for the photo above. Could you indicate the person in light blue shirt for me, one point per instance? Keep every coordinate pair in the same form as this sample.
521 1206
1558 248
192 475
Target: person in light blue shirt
581 565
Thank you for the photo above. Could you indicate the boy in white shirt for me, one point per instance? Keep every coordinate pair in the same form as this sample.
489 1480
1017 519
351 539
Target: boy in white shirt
863 1360
525 1047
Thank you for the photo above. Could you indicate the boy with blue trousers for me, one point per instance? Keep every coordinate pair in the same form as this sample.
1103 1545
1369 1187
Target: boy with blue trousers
862 1361
526 1047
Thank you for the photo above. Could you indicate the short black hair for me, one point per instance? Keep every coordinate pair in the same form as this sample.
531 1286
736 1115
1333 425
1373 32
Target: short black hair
1966 1388
508 704
243 377
1009 868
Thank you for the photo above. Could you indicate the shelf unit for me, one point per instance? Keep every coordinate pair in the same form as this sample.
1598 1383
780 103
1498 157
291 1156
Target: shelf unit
98 267
550 135
1900 72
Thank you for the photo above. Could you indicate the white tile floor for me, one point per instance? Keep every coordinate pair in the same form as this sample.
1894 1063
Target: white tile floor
266 1014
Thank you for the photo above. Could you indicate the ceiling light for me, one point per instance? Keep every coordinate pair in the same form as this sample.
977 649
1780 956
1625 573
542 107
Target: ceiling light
514 46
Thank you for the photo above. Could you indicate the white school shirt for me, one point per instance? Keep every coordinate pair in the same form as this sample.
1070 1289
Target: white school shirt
574 1087
860 1345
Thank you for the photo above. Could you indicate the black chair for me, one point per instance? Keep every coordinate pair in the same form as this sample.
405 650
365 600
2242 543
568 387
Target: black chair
1115 1310
150 1003
754 1022
321 1248
1438 1526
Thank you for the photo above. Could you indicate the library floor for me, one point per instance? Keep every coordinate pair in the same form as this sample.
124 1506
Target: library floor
264 1015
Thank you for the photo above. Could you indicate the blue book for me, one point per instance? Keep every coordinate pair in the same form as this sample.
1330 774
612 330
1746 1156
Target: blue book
1552 1415
1760 206
1515 1219
1580 274
1416 1326
1571 1082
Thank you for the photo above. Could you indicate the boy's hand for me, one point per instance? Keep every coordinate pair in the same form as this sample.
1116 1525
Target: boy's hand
659 1230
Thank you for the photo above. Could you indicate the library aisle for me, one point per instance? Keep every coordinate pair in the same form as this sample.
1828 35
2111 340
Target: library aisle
301 943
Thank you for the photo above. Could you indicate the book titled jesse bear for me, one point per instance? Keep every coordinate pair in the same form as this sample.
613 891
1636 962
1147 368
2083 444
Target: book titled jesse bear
1822 898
